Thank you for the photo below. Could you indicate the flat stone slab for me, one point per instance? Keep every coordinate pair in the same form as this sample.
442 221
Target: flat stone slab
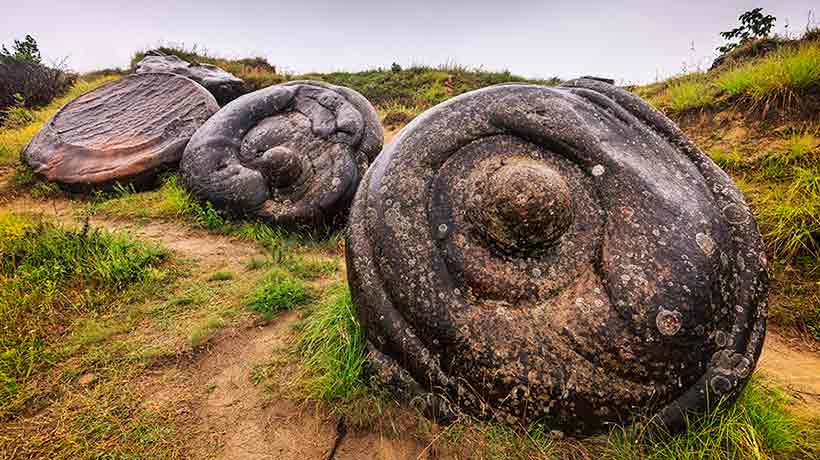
558 254
290 154
123 131
224 85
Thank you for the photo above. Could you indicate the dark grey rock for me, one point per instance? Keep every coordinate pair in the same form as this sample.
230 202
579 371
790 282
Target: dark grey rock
222 84
290 154
559 254
124 131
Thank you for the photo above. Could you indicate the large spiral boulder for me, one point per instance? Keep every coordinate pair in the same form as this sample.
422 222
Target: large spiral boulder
290 154
558 254
124 131
224 85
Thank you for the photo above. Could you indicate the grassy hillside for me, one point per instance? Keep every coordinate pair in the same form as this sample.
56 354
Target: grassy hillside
757 119
784 79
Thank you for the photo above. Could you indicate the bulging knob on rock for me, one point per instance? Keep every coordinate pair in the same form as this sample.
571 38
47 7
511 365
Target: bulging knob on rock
519 204
282 166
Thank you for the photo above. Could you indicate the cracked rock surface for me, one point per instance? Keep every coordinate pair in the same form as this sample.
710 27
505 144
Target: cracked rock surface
290 154
124 131
559 254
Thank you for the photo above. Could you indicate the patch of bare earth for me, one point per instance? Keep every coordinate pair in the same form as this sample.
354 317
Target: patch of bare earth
230 417
795 369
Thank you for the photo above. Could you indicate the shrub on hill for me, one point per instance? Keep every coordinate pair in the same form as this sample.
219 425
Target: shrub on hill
26 83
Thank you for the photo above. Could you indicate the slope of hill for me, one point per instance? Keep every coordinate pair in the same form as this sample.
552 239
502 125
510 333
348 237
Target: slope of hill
758 120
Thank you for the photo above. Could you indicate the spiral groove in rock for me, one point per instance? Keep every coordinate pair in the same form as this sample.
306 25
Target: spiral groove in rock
290 154
562 254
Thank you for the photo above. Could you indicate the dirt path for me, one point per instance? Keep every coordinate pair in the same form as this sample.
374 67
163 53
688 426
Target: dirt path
795 369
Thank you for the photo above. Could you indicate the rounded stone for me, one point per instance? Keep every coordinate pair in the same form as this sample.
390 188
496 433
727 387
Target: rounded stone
289 154
528 206
125 131
281 166
586 236
224 86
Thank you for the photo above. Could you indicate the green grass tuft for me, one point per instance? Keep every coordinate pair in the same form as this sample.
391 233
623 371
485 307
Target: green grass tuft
690 94
221 276
205 329
279 291
790 217
170 201
310 267
331 347
728 160
758 426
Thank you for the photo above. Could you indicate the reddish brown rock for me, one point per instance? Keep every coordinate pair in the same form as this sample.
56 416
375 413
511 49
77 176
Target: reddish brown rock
557 254
124 131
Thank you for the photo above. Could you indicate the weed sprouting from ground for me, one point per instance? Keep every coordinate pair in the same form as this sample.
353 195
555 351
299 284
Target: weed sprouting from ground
50 274
279 291
331 347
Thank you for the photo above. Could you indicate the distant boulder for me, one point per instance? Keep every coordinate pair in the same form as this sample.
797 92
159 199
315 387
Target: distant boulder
222 84
289 154
123 132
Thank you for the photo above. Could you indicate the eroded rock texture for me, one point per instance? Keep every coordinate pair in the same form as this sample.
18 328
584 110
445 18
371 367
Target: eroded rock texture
290 154
562 254
222 84
124 131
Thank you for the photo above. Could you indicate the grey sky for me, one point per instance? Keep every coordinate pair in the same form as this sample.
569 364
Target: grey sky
629 40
